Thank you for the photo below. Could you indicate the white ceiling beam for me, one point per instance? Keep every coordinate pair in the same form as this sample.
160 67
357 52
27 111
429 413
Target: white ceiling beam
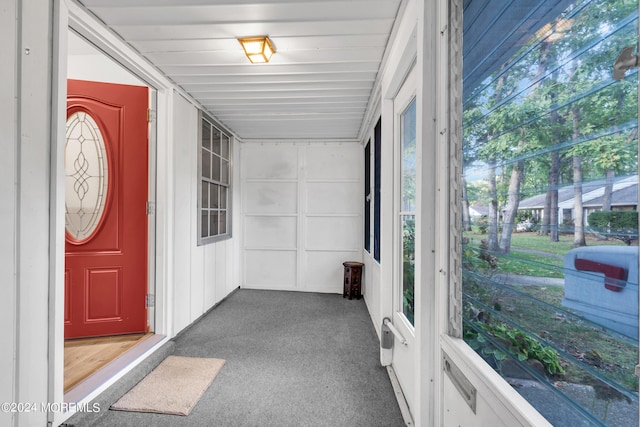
229 87
292 117
283 101
307 137
301 125
125 3
179 14
235 110
285 94
270 69
284 43
274 29
218 58
320 78
276 128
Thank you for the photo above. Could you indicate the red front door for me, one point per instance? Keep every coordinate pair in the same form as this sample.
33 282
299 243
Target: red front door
106 175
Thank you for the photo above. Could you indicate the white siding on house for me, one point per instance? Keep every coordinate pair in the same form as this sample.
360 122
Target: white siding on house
25 203
8 213
301 213
185 129
202 275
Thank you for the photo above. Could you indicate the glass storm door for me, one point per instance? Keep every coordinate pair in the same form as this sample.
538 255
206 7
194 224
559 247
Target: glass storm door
106 178
404 233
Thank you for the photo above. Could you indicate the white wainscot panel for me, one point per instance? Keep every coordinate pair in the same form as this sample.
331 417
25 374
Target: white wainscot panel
334 198
264 232
457 412
269 162
270 269
324 271
222 272
210 276
335 162
371 289
271 197
333 233
198 278
498 404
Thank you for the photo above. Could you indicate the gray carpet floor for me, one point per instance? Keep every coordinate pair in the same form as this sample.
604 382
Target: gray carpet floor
292 359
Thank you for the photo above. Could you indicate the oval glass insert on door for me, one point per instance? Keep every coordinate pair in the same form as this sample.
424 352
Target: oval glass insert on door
86 177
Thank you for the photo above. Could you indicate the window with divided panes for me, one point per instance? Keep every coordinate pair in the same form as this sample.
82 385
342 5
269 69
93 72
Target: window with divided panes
214 193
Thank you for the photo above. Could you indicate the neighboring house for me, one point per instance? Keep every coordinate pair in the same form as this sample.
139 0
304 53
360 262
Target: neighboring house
623 197
478 211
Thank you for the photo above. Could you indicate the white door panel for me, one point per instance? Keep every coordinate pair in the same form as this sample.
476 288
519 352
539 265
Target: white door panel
404 236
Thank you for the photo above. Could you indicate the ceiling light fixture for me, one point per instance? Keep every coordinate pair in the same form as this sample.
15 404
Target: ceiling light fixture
258 49
554 31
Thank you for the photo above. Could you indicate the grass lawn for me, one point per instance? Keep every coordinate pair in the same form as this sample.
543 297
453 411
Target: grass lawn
535 255
528 264
532 240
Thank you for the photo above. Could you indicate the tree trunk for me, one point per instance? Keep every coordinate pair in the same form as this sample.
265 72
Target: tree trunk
554 175
578 211
466 218
546 212
554 172
513 200
542 69
493 209
608 190
610 173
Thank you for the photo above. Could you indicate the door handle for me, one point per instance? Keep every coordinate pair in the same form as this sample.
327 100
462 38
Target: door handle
625 61
387 327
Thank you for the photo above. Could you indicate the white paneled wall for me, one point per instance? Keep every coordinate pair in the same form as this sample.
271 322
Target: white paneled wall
301 213
9 213
202 275
372 289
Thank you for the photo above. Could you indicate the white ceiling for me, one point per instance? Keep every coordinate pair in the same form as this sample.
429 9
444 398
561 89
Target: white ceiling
317 85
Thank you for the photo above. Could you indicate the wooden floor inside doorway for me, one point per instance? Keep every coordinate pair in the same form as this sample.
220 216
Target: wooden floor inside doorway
83 357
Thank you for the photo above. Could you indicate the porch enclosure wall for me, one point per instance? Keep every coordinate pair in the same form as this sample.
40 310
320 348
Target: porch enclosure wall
202 275
301 214
8 211
25 261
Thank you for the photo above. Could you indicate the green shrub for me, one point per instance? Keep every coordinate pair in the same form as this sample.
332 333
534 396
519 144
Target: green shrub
521 345
483 225
621 225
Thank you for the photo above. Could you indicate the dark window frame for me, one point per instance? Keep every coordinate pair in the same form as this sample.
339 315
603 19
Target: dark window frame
367 196
377 166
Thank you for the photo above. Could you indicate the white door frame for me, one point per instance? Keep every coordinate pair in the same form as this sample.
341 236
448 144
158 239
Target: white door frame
70 15
403 56
404 354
